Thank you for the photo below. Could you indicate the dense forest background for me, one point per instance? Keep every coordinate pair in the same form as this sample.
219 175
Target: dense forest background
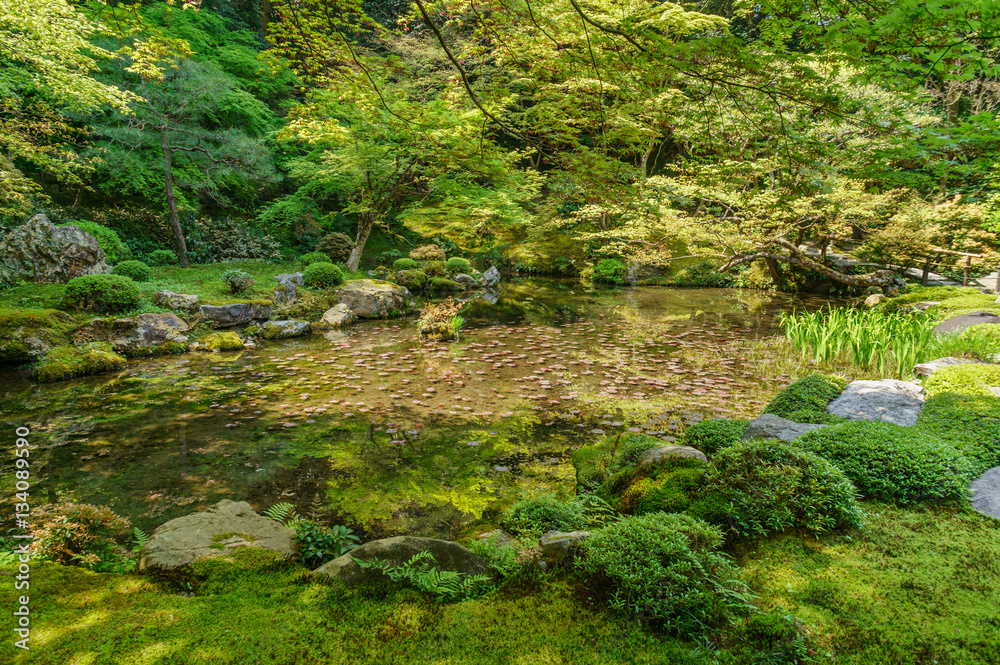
558 136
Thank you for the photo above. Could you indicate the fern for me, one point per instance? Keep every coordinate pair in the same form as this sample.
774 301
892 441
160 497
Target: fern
422 572
281 512
140 539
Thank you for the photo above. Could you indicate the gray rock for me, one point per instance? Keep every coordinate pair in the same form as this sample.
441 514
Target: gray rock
370 299
924 305
928 368
770 426
140 336
214 532
397 551
40 251
491 277
873 300
556 546
337 316
284 294
224 316
660 453
294 278
467 281
888 400
173 300
502 537
957 324
284 329
986 493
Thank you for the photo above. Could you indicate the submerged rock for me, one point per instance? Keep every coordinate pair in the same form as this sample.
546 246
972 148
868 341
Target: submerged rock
284 329
959 323
173 300
140 336
221 341
397 551
889 400
369 299
928 368
224 316
770 426
40 251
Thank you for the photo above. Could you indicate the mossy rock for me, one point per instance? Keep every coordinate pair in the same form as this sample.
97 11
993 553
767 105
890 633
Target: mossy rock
443 284
67 362
671 487
607 468
221 341
414 280
434 269
805 400
28 334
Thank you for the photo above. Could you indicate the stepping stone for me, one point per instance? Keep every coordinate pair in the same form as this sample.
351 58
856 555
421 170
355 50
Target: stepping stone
770 426
928 368
959 323
986 493
889 400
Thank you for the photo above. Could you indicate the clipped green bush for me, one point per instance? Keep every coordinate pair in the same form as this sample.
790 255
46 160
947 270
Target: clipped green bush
887 462
457 265
531 518
314 257
665 570
972 379
322 276
136 270
405 264
237 280
609 271
768 487
107 239
711 436
162 257
971 423
805 400
336 246
102 293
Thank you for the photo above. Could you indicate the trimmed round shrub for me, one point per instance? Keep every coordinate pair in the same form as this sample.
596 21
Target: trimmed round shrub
162 257
238 281
456 265
609 271
768 486
102 293
805 400
336 246
314 257
710 436
405 264
533 517
889 462
322 276
664 569
972 379
107 239
136 270
428 253
970 423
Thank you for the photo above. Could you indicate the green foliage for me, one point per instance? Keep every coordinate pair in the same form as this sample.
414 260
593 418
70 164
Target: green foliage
337 246
102 293
669 487
771 638
435 269
664 569
703 274
414 280
283 512
768 487
67 362
530 518
711 436
609 271
447 586
405 264
162 257
22 329
805 400
322 276
970 379
319 544
221 341
107 239
887 462
456 265
607 467
227 240
971 423
238 281
314 257
135 270
81 534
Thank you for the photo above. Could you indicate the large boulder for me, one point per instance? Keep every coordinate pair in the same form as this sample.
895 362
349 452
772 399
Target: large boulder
337 316
491 278
294 278
931 366
174 300
214 532
224 316
770 426
660 453
284 329
889 400
468 282
370 299
957 324
28 334
40 251
397 551
143 335
986 493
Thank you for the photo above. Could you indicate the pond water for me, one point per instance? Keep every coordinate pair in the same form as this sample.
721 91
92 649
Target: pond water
383 432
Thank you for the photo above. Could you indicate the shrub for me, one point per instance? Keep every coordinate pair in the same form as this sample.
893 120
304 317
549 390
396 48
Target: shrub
769 487
81 534
102 293
136 270
669 487
319 544
609 271
456 265
806 399
773 637
322 276
389 257
336 246
665 569
435 269
614 457
67 362
711 436
531 518
889 462
970 423
238 281
704 274
162 257
230 240
107 239
405 264
314 257
428 253
971 379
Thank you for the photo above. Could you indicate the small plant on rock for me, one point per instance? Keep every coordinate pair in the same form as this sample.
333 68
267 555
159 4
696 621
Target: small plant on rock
441 320
238 281
81 534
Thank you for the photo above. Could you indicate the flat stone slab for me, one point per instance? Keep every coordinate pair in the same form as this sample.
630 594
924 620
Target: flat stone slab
397 551
986 493
957 324
284 329
928 368
770 426
888 400
660 453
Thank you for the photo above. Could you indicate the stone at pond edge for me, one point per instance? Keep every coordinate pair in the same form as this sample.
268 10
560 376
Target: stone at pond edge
67 362
397 551
556 546
173 300
660 453
491 277
467 281
889 400
284 329
986 493
26 336
221 341
873 300
335 317
959 323
145 335
224 316
214 532
40 251
770 426
370 299
928 368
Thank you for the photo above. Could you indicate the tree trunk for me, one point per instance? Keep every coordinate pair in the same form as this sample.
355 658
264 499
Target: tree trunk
365 224
175 222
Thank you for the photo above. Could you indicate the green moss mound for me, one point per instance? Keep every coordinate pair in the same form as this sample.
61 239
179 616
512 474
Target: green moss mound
314 257
336 246
443 284
610 462
107 239
711 436
134 270
670 486
805 400
530 518
108 294
761 487
435 269
162 257
970 379
414 280
457 265
887 462
971 423
322 276
67 362
913 293
405 264
25 333
221 341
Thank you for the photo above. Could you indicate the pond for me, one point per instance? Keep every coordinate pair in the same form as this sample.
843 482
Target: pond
388 434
